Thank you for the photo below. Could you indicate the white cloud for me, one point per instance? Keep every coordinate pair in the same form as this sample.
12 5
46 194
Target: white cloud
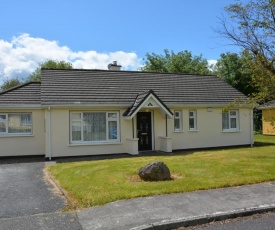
21 56
211 64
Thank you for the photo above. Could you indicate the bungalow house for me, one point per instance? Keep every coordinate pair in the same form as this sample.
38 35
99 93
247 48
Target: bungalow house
90 112
268 118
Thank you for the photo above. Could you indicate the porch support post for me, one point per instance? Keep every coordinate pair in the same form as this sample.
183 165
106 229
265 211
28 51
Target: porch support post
133 127
166 125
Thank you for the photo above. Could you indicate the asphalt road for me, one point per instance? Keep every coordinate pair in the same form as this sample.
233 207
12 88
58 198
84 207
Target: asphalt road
29 201
256 222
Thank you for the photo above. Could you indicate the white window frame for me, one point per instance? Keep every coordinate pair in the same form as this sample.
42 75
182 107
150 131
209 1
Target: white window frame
178 116
107 127
230 116
6 121
194 116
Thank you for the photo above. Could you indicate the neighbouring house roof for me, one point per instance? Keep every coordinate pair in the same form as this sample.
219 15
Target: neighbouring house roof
101 87
268 105
24 94
143 98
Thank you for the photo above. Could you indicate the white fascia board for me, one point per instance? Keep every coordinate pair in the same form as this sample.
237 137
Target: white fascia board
266 107
205 106
157 101
20 106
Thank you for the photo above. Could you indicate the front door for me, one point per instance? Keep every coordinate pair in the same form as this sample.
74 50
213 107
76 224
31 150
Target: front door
144 128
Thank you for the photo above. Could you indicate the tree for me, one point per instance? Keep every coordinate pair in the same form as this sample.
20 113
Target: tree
53 64
9 83
252 28
182 62
233 68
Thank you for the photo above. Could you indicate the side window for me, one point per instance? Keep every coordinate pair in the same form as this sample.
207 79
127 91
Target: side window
192 120
230 120
177 121
16 123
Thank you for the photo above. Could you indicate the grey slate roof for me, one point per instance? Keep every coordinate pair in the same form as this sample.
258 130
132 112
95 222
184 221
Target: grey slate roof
25 94
267 105
68 87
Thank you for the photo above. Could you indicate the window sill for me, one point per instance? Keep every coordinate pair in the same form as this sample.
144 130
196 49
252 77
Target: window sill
193 130
17 135
91 144
231 131
178 131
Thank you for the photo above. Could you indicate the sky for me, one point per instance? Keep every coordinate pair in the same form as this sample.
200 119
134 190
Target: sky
93 33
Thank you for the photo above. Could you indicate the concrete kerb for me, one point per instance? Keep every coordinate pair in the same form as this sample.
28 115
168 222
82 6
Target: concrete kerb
205 219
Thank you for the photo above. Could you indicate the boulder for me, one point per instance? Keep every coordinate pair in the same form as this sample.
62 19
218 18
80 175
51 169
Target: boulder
155 171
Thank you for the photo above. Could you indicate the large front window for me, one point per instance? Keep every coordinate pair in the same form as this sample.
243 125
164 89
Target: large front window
15 123
94 127
230 120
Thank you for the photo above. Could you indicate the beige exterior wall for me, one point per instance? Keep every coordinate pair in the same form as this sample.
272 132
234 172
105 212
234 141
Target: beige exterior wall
60 136
268 120
25 145
209 130
209 133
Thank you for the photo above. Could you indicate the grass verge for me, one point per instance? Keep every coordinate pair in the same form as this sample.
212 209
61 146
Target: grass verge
92 183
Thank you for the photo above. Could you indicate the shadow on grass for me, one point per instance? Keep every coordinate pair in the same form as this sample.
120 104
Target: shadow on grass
262 144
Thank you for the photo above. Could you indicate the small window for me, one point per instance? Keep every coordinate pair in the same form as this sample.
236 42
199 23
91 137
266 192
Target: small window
192 120
177 121
15 123
230 120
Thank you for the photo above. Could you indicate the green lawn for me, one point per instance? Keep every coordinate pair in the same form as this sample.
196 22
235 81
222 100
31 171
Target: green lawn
92 183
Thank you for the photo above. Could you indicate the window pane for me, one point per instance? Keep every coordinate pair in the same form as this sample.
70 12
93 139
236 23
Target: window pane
232 113
177 124
76 116
26 119
233 123
225 121
94 127
191 123
2 117
16 126
177 114
3 128
76 130
191 114
112 130
112 115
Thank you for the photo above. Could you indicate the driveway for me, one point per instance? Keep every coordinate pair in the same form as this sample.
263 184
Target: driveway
29 201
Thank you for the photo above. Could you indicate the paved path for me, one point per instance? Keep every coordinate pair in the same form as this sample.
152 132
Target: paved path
165 211
28 201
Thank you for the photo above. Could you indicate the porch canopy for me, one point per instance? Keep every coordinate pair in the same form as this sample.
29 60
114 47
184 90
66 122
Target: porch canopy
147 100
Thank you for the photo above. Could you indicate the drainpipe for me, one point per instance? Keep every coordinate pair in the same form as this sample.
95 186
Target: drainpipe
49 134
251 128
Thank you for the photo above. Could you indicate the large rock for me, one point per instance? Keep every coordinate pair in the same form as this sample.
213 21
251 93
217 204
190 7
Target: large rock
155 171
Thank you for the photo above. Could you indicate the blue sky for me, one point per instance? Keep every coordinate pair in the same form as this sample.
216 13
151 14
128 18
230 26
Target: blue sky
91 33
